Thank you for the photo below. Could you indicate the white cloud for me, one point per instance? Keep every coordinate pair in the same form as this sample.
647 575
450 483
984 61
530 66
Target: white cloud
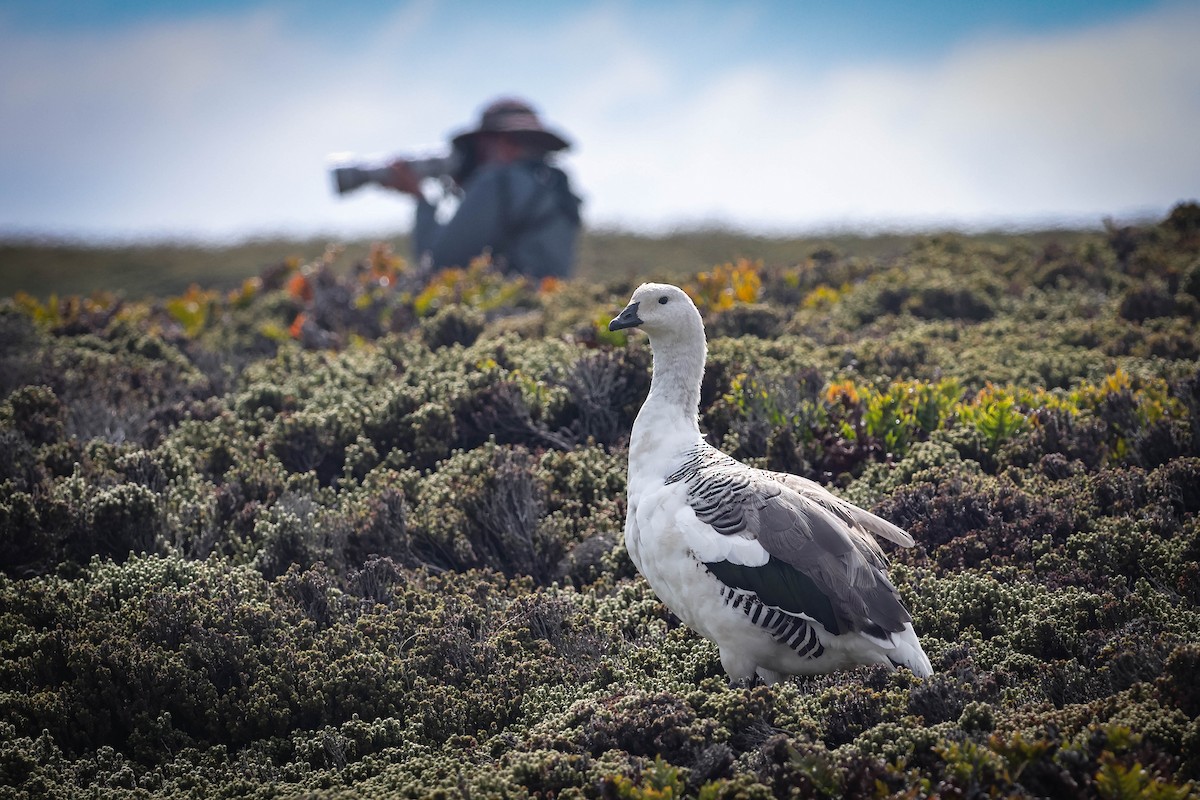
1076 125
220 125
211 126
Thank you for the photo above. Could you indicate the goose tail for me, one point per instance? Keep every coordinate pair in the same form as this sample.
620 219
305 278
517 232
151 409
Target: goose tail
907 652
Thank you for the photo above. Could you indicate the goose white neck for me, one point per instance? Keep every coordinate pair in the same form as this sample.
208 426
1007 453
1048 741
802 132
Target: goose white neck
678 371
668 421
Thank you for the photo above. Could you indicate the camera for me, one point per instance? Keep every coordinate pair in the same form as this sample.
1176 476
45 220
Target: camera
350 176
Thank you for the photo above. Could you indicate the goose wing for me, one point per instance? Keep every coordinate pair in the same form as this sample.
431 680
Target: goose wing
857 519
799 548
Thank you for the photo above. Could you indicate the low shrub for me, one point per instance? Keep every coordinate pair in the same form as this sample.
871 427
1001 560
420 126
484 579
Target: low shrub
357 531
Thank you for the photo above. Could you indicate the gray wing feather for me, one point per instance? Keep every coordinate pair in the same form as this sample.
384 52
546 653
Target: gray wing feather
805 526
851 514
848 566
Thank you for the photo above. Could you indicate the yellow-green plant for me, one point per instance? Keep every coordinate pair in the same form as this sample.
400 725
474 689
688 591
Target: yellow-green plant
59 310
1115 781
1019 752
192 309
479 285
47 313
907 410
972 765
659 781
727 284
994 412
824 296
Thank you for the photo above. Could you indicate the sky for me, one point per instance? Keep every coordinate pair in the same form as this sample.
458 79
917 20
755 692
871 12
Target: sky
216 120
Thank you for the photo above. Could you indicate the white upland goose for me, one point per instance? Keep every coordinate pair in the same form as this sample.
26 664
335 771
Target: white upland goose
785 577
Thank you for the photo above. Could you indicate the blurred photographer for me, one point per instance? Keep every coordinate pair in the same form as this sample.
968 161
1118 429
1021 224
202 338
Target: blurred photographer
514 203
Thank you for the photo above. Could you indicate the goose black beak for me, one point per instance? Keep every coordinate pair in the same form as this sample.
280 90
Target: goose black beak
626 319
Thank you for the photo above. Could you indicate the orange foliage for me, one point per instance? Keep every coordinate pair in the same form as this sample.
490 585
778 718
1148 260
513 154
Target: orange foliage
383 265
842 392
299 287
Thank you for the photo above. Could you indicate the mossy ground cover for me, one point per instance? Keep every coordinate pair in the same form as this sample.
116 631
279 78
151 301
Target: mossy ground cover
348 532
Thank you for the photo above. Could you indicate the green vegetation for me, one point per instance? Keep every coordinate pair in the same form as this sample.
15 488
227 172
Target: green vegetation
342 530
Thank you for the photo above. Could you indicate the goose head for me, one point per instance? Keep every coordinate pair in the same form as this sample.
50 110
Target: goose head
664 312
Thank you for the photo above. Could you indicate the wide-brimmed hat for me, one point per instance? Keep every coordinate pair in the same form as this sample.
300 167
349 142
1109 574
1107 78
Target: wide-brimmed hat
513 116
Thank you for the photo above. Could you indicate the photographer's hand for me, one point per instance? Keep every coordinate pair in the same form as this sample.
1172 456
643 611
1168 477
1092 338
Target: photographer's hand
404 179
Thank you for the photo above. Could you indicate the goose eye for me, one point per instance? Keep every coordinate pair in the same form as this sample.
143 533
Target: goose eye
663 300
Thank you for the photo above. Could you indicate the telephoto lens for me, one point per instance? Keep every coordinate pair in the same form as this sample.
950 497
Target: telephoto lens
348 177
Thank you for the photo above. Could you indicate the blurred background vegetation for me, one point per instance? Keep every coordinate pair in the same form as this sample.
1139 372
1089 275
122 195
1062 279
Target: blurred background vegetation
45 267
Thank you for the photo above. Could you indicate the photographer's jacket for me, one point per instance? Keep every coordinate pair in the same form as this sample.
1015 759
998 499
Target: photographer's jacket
524 213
